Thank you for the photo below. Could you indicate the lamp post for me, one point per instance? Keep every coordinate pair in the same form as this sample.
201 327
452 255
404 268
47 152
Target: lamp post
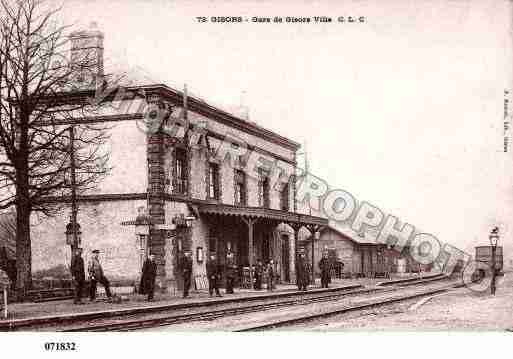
494 239
73 235
142 232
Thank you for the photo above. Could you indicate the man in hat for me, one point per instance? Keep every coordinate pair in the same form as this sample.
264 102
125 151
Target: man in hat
186 269
270 275
231 272
148 276
301 272
259 272
96 275
214 275
78 275
325 267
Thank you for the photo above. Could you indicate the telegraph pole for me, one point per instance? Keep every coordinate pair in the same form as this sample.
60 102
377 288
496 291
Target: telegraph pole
74 209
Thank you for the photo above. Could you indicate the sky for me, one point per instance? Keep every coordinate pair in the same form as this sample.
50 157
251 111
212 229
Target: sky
404 110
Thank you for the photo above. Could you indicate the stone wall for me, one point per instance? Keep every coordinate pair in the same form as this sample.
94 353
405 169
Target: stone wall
127 148
101 229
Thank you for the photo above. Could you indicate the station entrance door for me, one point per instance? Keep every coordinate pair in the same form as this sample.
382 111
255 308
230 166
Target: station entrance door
285 257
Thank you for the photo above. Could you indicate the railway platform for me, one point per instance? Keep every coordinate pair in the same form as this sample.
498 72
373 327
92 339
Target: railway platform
29 314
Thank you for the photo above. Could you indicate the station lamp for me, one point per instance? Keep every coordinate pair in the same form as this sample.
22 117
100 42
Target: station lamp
70 231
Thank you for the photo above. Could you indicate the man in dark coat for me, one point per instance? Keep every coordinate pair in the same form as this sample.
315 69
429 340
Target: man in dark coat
214 275
78 275
301 273
270 275
186 269
325 267
259 271
231 272
149 274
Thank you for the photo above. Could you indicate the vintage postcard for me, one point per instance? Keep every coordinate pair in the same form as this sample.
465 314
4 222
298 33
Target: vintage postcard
171 166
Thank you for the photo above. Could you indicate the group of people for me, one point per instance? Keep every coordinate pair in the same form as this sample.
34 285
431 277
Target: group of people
96 275
303 271
95 272
262 271
213 268
215 271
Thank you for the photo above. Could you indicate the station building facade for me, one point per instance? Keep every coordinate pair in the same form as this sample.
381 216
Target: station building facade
210 182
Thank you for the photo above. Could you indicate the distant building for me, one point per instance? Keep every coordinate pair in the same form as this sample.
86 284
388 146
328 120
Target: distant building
359 253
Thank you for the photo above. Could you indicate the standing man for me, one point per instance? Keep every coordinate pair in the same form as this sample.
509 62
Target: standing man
96 275
78 275
270 275
301 273
186 268
149 274
259 271
324 266
213 275
231 272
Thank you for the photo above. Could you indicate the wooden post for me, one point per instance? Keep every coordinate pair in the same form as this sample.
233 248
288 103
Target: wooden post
313 255
295 227
250 222
250 249
313 229
5 302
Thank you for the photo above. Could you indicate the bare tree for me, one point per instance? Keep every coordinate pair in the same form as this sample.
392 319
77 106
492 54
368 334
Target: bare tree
42 94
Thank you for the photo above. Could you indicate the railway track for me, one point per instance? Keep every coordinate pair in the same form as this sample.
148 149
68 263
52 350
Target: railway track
207 314
346 309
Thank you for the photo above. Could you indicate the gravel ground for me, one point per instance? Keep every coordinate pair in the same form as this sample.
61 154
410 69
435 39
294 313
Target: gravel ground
31 310
460 310
237 322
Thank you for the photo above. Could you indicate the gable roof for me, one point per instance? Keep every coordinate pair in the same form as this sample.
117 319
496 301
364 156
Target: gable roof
348 233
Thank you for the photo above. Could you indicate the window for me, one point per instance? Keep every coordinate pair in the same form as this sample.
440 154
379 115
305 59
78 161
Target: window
180 169
240 188
263 189
213 180
212 240
284 197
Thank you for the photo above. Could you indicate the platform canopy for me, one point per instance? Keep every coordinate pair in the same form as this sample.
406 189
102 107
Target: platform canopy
261 213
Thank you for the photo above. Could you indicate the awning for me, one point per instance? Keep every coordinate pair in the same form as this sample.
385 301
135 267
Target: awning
259 212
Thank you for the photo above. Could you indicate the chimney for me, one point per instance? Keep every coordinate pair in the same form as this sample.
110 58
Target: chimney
87 57
244 109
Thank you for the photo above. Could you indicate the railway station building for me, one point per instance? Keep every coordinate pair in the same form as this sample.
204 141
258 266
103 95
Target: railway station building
211 182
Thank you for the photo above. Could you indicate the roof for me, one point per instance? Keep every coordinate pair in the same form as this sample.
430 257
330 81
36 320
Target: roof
258 212
195 104
347 232
201 106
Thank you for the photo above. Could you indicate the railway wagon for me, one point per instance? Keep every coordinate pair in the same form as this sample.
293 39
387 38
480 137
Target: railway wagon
484 255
